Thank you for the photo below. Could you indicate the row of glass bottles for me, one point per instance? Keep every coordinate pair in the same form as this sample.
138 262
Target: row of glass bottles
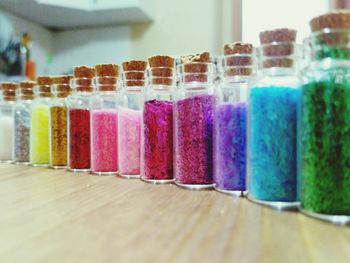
204 120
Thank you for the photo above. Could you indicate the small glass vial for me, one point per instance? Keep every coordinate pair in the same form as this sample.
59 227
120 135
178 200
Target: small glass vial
129 119
324 122
230 120
272 122
194 104
104 121
21 142
59 121
157 125
79 153
39 126
7 102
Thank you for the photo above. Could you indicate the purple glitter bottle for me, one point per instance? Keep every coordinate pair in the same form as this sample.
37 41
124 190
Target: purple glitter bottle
230 120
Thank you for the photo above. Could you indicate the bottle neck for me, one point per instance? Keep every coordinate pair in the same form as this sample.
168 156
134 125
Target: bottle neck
237 79
277 71
25 97
63 95
8 98
328 43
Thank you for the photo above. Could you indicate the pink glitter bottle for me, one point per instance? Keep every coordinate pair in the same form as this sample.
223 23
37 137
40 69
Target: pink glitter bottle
104 121
129 119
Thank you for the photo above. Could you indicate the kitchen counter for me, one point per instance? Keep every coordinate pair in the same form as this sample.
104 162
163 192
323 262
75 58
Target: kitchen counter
56 216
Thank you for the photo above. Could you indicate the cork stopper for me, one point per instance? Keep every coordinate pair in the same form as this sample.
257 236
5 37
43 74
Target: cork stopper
9 91
107 76
134 72
339 19
61 85
27 84
278 35
43 87
238 48
26 90
238 59
278 43
63 79
83 76
339 24
195 67
161 70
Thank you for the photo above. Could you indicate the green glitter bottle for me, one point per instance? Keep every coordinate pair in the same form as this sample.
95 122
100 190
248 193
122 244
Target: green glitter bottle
324 123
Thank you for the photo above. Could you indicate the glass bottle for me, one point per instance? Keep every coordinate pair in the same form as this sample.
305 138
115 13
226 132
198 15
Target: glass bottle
272 122
104 120
193 122
157 125
7 102
230 120
129 119
59 121
324 138
39 126
22 108
79 120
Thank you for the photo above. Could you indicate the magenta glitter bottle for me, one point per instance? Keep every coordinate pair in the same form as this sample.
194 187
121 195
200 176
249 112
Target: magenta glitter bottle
193 122
157 122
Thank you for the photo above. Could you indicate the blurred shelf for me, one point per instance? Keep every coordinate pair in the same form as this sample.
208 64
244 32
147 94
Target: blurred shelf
56 216
68 14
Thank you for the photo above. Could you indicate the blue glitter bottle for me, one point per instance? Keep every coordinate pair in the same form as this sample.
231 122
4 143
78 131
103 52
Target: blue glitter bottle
272 123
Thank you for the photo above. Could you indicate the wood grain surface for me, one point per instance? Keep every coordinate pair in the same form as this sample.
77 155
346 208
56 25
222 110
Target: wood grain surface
57 216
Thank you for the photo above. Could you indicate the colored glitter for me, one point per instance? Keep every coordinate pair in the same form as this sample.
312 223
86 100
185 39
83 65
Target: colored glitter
22 139
104 140
79 139
325 145
272 143
58 139
193 139
39 135
230 146
158 140
129 141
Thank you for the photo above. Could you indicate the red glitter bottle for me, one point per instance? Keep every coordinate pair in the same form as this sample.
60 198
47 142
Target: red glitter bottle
79 120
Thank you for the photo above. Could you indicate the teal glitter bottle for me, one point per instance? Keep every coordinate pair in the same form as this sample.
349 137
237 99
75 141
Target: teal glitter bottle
272 122
324 141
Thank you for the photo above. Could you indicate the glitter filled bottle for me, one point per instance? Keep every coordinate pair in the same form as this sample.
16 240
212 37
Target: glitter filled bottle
104 120
230 119
7 102
79 153
272 122
129 119
39 125
21 142
157 125
324 138
194 104
58 121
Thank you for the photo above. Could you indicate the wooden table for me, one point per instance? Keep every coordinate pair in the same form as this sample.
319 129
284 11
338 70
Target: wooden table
56 216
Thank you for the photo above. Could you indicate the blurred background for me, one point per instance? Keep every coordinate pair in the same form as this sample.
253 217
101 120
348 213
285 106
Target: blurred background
51 36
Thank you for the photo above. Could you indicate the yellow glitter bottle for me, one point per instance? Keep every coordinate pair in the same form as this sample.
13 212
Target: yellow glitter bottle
39 128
